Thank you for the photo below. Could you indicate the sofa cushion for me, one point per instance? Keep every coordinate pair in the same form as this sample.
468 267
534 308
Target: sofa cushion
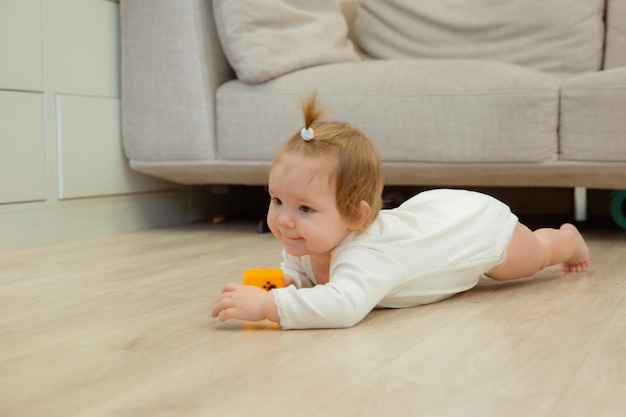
615 52
558 36
263 39
592 116
414 110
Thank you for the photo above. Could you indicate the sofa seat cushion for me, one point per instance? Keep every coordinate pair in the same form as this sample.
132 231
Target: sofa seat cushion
592 117
414 110
557 36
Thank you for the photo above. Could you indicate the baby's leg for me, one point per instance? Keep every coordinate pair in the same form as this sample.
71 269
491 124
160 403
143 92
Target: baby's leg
530 252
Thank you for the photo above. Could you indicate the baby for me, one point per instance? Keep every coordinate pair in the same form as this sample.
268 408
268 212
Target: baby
344 255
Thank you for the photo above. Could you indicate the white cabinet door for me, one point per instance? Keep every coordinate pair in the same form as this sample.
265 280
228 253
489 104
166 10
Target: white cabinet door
87 47
21 45
22 147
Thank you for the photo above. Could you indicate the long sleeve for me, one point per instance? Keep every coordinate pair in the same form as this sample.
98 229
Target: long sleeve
355 288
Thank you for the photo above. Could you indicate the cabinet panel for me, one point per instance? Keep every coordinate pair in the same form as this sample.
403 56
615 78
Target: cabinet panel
91 156
21 47
87 39
22 147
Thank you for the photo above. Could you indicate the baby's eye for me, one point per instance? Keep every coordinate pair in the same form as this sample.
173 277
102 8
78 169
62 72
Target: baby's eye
276 200
306 209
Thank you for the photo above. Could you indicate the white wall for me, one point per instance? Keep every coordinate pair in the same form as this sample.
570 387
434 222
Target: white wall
63 174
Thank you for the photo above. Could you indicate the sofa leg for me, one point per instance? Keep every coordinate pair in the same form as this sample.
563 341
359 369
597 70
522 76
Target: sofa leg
580 204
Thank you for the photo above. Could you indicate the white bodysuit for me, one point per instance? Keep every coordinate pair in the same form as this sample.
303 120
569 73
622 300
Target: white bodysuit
433 246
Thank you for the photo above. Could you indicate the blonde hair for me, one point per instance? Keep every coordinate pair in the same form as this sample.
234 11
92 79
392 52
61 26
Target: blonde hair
352 161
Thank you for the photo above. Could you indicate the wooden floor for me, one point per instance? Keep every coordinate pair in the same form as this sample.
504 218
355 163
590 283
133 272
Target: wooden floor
120 326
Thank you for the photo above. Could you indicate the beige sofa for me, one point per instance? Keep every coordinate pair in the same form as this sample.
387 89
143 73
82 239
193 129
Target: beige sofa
518 93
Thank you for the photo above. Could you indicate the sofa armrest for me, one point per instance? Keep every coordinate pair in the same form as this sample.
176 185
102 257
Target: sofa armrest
172 64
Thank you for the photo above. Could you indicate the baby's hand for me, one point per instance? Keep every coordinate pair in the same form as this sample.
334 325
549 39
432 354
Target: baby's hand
245 302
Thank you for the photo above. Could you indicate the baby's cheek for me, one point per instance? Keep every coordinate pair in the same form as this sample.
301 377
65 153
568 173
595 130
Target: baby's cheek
271 223
276 233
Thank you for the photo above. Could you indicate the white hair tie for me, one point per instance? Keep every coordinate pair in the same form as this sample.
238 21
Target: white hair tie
307 134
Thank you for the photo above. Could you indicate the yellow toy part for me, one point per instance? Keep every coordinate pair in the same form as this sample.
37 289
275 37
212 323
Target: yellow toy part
266 278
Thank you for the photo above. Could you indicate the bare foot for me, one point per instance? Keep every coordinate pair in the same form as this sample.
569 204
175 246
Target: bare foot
580 259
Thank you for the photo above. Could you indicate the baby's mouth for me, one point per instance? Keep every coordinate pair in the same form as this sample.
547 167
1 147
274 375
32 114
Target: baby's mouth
292 238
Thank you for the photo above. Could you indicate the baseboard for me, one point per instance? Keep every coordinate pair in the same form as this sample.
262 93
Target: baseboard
37 223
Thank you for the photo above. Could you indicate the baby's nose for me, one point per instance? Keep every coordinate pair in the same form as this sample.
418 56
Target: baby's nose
284 219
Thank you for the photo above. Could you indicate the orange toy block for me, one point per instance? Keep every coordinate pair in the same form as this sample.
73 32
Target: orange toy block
266 278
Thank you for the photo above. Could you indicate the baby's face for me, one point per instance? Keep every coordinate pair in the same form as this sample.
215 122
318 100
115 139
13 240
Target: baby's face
303 212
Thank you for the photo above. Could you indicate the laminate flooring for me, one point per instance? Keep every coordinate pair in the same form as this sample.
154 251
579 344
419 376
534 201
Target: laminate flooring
120 326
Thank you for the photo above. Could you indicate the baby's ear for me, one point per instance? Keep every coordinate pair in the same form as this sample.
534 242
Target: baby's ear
362 214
